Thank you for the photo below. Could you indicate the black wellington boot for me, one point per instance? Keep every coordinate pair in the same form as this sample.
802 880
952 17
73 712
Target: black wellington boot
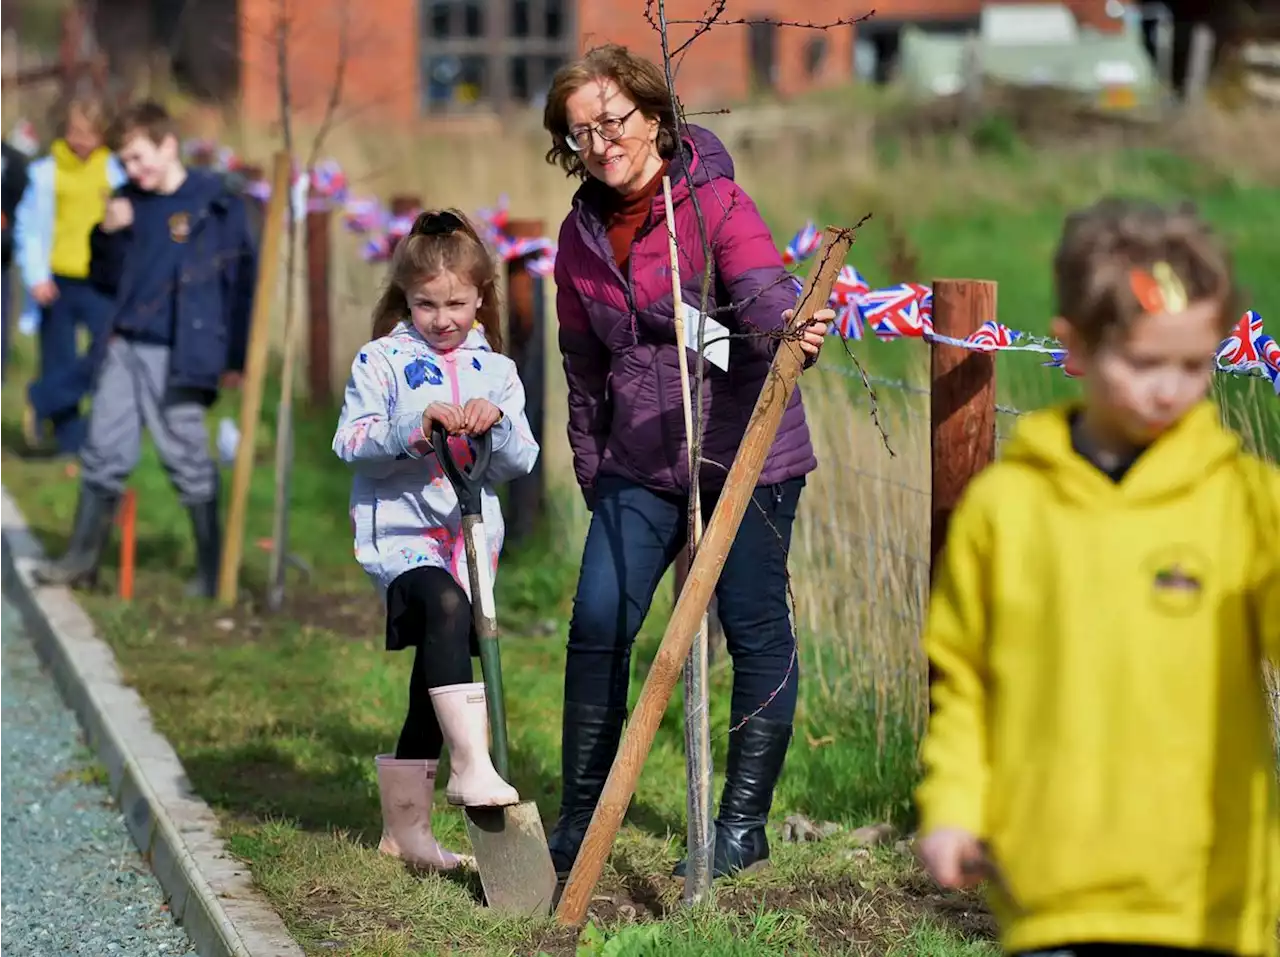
95 511
208 535
756 755
590 741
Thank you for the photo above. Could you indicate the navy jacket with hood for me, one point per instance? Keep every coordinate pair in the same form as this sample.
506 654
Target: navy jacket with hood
214 288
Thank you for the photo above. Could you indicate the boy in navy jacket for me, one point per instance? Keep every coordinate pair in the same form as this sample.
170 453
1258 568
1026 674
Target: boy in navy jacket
174 251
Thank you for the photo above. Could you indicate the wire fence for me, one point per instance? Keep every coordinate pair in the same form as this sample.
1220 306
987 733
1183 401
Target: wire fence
861 549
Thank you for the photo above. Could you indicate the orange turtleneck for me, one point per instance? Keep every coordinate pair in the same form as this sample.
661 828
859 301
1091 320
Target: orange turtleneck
628 214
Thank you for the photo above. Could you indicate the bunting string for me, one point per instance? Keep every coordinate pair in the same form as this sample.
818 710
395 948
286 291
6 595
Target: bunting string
901 311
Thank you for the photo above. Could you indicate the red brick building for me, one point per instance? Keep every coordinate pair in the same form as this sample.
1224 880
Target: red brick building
408 59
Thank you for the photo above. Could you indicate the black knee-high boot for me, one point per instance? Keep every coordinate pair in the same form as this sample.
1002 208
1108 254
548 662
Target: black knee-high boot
590 739
757 752
78 565
208 535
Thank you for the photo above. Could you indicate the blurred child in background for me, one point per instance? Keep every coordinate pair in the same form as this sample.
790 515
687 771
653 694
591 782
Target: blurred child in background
65 198
1100 743
174 250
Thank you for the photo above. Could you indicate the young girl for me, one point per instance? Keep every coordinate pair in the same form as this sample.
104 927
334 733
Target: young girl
434 358
65 198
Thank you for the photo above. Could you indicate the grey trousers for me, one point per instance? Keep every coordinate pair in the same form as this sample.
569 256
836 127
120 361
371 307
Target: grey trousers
131 392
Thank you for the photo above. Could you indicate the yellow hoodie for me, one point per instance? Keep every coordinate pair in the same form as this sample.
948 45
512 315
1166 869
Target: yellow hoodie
1100 714
81 189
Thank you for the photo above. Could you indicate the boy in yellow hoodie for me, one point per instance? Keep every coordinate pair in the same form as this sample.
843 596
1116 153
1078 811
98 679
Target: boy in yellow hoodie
1099 746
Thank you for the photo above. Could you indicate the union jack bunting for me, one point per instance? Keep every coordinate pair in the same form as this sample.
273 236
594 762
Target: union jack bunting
991 336
803 245
904 311
1241 344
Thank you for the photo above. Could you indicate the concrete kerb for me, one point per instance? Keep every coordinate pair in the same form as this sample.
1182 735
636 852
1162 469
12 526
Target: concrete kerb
209 892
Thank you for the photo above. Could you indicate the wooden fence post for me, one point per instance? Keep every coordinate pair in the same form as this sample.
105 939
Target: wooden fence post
318 326
402 204
962 400
526 329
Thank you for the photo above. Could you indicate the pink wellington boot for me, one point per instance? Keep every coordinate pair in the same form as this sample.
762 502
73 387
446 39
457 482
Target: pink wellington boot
406 788
464 721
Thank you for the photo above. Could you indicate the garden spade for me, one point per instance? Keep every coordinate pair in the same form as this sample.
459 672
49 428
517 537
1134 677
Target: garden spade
509 843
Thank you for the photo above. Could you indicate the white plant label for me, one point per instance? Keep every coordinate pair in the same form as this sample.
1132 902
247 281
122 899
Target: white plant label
715 348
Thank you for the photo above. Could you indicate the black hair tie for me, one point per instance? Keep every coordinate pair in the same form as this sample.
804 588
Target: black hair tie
437 224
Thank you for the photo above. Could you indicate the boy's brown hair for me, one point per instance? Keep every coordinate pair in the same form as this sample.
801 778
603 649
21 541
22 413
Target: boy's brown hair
1103 243
146 118
639 79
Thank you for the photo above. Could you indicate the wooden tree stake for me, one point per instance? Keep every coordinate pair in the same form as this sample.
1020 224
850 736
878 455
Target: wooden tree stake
254 373
741 481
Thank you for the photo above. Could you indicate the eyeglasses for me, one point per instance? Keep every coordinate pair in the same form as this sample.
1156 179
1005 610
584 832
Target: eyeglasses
436 224
610 130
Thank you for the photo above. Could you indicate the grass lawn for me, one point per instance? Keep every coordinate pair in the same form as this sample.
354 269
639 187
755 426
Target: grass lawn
277 717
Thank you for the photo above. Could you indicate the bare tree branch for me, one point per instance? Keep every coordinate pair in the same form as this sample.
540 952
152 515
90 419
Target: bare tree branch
284 411
747 21
339 80
283 27
655 14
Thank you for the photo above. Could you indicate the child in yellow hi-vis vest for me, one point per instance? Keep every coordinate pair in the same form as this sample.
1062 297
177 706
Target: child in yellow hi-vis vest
66 196
1099 747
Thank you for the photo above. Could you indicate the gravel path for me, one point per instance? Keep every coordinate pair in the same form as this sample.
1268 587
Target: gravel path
74 884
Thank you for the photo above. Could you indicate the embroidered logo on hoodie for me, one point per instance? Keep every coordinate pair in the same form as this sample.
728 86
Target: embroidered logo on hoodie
1177 579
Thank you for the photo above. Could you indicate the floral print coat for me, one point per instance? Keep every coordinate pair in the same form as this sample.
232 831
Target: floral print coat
404 511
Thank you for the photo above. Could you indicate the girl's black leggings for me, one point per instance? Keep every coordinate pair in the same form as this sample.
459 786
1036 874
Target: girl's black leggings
428 611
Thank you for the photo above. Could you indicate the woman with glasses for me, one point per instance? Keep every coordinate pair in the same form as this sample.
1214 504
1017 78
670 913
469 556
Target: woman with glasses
612 126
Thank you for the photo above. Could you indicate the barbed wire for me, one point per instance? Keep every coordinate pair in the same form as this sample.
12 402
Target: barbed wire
902 385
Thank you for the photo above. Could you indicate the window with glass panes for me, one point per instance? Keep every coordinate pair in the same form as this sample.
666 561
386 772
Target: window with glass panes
492 53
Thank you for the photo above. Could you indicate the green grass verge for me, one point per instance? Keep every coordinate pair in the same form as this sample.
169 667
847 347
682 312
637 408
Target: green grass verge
276 718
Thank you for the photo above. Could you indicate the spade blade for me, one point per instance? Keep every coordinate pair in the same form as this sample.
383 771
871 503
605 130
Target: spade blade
513 859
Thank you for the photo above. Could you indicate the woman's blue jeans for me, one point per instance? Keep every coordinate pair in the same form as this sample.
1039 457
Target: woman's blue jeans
635 534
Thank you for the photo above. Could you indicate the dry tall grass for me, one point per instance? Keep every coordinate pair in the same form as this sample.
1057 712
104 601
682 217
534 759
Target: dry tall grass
860 553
